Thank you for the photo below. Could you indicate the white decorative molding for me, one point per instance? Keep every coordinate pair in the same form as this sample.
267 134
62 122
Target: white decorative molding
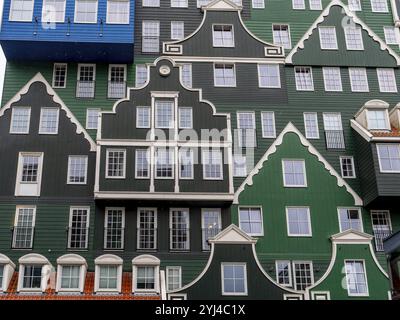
311 149
108 259
6 260
146 259
50 91
232 235
72 258
352 236
33 258
163 195
221 5
349 13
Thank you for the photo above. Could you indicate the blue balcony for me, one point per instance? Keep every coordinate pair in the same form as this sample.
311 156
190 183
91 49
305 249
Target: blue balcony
68 30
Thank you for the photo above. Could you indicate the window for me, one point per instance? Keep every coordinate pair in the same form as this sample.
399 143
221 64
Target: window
212 164
379 6
239 165
177 30
234 279
142 117
150 3
186 161
298 4
350 219
333 131
108 278
224 75
145 278
304 79
53 10
141 75
116 81
78 229
311 125
298 221
356 278
347 167
77 169
85 11
165 163
179 3
179 229
269 76
201 3
186 74
327 37
378 120
294 173
387 80
391 35
48 121
29 174
258 4
389 157
115 166
354 40
246 125
303 274
59 75
70 277
86 81
147 228
358 80
118 11
151 36
20 120
268 124
223 36
114 228
211 225
281 35
21 10
355 5
24 225
283 273
315 4
142 164
251 221
2 277
164 114
174 278
332 79
381 226
32 277
185 118
92 117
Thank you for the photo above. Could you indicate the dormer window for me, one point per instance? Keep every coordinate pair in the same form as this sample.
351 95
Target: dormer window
33 273
378 120
223 35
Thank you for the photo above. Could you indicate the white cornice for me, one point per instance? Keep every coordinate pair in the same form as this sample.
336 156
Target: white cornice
221 5
232 235
352 236
33 258
109 259
164 195
71 258
272 149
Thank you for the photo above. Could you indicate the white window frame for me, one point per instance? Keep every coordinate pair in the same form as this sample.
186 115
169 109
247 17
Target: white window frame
41 121
23 20
109 260
310 3
12 120
352 164
233 35
107 209
180 126
156 115
379 158
225 85
187 243
150 3
19 181
69 169
148 163
261 233
155 227
88 22
242 158
347 278
387 30
381 89
124 167
364 71
379 11
87 118
386 115
350 208
301 7
315 115
21 273
247 131
174 25
82 274
171 156
167 271
309 234
156 288
294 272
44 20
263 113
290 273
257 6
346 36
178 5
219 226
320 38
189 66
297 81
127 19
289 35
71 210
221 177
143 66
224 293
279 85
339 84
54 75
353 8
191 163
286 185
152 50
138 125
17 208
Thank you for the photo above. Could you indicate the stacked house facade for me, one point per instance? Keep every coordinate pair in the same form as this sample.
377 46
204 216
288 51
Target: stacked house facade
175 149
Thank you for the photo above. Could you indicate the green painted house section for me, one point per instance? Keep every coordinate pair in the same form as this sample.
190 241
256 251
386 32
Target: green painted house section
335 282
190 268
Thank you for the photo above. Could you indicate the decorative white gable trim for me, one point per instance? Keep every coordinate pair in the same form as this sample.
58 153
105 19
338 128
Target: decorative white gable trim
272 149
232 235
221 5
72 258
349 13
50 91
108 259
352 236
146 259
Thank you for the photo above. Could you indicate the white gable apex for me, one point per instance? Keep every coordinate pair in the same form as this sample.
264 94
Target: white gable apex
223 5
352 236
232 235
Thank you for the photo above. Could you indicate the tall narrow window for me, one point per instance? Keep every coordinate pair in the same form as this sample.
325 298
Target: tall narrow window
164 163
179 229
185 118
53 10
174 278
389 157
268 124
303 275
224 75
358 80
211 225
332 79
118 11
379 6
24 225
20 120
77 169
354 40
177 30
86 81
281 35
147 228
21 10
116 81
304 79
387 80
381 226
356 278
294 173
114 228
142 164
350 219
49 120
347 167
212 164
223 35
246 125
234 279
59 75
327 37
186 161
85 11
142 117
29 174
115 166
239 165
151 36
92 117
251 221
333 131
269 76
164 114
283 273
298 221
141 75
355 5
78 229
186 74
311 125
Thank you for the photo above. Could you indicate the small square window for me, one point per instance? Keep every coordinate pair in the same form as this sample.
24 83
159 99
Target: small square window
294 173
298 221
251 221
224 75
355 5
234 279
378 120
269 76
298 4
315 4
223 36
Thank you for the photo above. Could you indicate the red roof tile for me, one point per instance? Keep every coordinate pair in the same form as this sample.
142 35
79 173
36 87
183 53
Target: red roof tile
394 132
